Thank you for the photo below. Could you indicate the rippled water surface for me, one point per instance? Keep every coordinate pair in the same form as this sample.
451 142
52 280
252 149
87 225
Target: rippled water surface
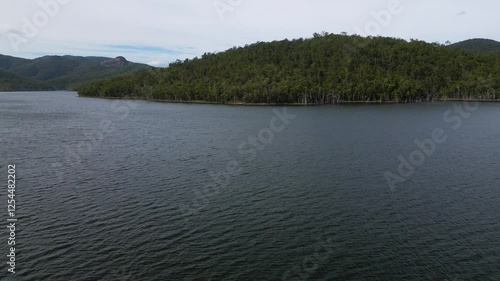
110 190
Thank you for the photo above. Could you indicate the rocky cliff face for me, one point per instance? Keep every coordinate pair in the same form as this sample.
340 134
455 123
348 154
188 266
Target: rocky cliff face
116 62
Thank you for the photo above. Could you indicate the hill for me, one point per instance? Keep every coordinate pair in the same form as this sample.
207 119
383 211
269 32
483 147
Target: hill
325 69
10 81
478 45
62 72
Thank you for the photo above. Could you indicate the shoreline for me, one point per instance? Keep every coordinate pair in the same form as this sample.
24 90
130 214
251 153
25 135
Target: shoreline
239 103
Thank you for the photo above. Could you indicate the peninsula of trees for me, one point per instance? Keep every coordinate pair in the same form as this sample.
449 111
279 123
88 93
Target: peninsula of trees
325 69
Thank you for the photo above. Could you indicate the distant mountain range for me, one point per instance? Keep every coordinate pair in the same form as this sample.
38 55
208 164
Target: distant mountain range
60 72
478 45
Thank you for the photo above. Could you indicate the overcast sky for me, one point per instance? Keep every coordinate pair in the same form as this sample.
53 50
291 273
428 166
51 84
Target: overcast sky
160 31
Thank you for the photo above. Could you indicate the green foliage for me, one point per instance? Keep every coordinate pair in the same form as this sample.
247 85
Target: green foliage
321 70
60 73
13 82
478 45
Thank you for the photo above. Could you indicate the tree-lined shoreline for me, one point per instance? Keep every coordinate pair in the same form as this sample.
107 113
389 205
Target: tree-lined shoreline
287 104
325 69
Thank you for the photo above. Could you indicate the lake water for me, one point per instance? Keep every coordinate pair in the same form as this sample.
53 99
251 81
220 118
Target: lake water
115 190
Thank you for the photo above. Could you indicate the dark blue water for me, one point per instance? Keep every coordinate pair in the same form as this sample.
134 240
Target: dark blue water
110 190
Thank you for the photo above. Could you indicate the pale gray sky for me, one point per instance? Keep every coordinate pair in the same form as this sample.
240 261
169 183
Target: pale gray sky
158 32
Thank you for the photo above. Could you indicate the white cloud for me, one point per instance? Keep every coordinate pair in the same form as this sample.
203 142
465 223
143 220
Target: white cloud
156 63
6 29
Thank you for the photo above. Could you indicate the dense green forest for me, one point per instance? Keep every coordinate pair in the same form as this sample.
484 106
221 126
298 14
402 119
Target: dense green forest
324 69
478 45
60 72
10 81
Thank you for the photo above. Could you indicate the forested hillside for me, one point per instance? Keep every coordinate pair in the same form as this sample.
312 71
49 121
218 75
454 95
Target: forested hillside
10 81
478 45
321 70
60 72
